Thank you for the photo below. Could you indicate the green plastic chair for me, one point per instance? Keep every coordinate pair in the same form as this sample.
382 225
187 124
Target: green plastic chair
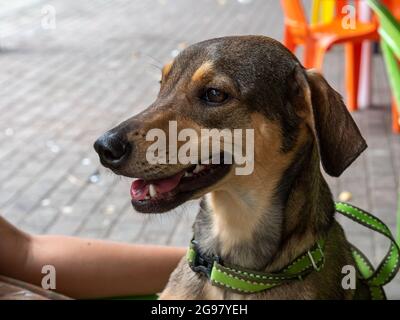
389 31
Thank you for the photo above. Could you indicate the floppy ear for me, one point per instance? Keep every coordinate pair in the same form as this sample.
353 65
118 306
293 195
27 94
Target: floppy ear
338 137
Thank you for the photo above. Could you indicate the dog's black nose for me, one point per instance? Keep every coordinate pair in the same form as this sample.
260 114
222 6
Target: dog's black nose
112 150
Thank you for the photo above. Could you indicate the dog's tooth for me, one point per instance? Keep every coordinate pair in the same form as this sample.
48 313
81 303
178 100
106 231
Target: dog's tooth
188 175
152 190
198 168
147 198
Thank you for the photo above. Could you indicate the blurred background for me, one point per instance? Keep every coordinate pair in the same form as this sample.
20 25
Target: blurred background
70 70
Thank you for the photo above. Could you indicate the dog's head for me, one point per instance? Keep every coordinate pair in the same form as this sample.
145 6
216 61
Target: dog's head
228 84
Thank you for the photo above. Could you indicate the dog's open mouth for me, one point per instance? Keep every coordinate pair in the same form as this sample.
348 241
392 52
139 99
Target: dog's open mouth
156 196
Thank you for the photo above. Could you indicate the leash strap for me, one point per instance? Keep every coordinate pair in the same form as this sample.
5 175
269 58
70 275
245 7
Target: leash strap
389 266
247 281
366 269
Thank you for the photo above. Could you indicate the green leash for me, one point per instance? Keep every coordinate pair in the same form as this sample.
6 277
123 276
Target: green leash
388 268
241 280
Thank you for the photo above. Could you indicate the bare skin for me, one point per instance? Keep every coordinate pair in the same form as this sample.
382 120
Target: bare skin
87 268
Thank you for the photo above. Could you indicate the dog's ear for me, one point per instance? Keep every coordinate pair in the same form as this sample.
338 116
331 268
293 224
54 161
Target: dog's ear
338 137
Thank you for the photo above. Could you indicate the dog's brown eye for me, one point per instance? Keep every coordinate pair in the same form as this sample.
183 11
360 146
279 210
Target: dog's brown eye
214 96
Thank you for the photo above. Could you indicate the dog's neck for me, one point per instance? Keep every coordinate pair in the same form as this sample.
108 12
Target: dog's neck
265 224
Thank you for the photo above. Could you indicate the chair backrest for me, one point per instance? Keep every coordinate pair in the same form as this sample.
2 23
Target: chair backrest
341 3
294 13
323 11
339 6
394 7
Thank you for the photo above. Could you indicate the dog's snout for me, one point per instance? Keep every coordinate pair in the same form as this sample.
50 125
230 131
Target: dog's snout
112 150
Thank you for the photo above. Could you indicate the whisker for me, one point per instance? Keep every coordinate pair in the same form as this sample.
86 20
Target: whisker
156 63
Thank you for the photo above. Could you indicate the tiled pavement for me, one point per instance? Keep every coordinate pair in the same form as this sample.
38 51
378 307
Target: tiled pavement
61 88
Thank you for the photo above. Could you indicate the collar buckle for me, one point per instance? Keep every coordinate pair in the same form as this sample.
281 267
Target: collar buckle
314 264
203 263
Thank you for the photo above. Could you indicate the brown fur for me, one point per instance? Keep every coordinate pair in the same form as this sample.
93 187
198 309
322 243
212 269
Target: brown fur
204 70
165 70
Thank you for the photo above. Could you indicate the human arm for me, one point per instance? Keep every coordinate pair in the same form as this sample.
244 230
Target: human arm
87 268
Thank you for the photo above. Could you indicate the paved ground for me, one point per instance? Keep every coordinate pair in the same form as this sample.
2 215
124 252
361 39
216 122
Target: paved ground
61 88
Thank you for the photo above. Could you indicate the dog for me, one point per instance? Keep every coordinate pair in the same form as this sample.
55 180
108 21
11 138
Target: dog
264 220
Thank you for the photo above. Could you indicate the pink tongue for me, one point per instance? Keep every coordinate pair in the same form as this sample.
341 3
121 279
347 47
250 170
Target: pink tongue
140 188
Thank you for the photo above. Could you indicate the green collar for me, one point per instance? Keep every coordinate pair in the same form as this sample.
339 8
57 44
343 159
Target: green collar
247 281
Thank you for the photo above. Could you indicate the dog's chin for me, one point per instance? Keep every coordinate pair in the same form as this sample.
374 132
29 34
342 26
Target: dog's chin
192 184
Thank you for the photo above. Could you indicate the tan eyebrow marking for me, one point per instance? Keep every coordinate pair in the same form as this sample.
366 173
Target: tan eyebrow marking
166 69
205 68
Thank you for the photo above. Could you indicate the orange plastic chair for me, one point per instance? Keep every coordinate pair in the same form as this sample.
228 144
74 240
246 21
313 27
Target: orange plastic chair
393 6
319 38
